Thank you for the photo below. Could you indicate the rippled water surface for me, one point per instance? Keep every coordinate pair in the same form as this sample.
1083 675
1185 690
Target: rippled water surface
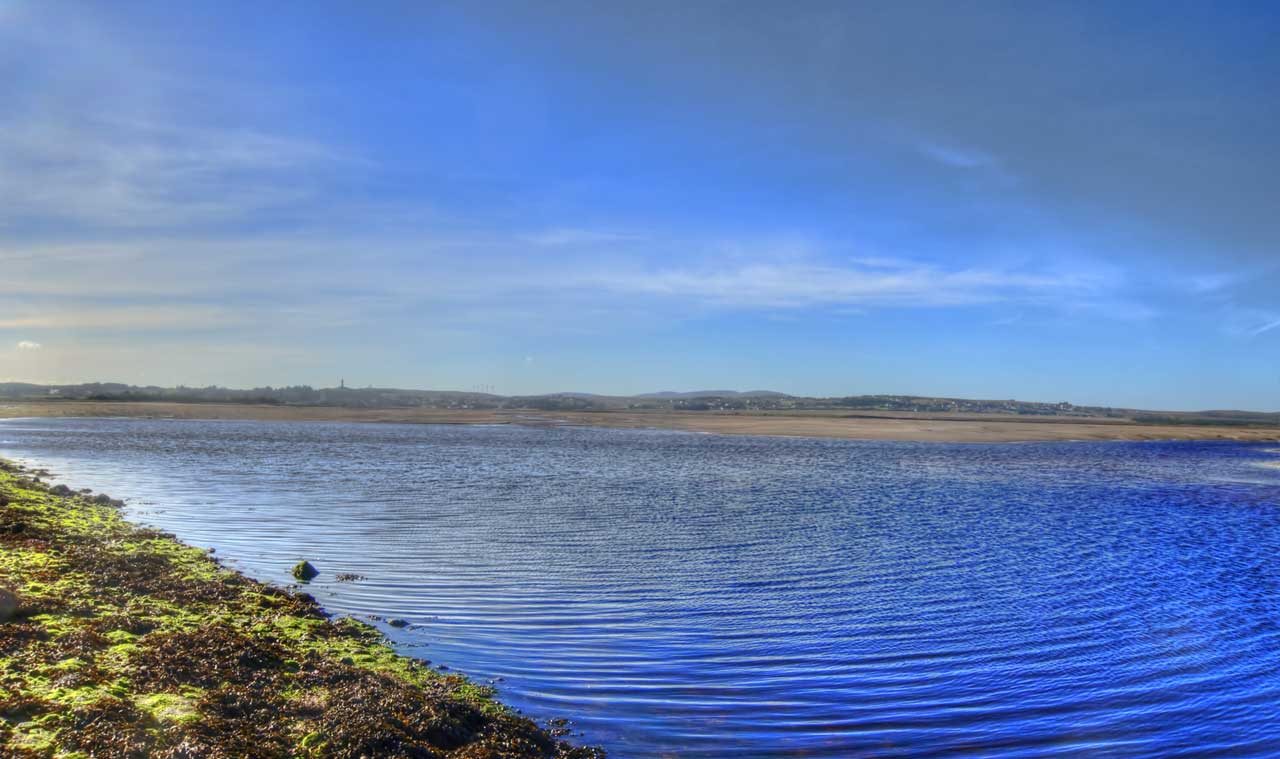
704 596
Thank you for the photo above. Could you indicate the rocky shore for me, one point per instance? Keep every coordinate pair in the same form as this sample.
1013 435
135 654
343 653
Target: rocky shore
119 642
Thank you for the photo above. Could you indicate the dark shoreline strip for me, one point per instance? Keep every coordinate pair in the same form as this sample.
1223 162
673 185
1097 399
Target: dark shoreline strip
118 641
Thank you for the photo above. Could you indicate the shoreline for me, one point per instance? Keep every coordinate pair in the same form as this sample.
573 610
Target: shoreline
120 640
897 426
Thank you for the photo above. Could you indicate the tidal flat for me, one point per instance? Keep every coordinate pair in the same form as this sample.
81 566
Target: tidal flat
899 426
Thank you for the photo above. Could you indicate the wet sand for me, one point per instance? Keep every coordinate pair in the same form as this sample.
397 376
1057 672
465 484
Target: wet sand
960 428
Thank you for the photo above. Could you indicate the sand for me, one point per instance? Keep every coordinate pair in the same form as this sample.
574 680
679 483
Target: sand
961 428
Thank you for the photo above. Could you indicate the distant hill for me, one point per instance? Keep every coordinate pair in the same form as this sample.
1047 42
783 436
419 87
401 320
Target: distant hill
702 401
713 394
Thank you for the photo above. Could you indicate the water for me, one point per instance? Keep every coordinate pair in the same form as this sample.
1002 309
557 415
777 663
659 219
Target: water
705 596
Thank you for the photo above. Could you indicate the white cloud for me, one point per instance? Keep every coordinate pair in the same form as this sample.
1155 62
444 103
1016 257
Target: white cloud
29 345
885 283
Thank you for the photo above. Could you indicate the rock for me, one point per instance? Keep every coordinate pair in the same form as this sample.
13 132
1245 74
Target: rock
61 490
397 622
305 571
8 604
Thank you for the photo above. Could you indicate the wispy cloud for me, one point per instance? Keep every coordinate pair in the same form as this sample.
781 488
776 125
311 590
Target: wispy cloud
885 283
1266 326
461 284
29 345
136 175
579 236
118 135
134 317
958 157
1247 322
1209 283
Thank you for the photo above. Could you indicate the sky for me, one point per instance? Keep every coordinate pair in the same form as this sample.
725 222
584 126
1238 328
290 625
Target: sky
1037 200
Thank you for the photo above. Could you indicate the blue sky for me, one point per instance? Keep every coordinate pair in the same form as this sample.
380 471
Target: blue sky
1047 201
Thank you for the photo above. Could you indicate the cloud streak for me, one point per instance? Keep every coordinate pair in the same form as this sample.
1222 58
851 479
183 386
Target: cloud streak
199 284
888 284
118 136
136 175
958 158
1265 327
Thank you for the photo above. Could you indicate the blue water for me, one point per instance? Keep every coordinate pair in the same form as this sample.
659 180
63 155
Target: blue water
680 595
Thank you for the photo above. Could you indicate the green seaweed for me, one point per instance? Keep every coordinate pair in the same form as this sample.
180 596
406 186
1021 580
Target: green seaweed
125 642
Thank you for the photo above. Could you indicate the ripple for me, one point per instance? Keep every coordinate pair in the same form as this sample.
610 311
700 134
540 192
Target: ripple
705 596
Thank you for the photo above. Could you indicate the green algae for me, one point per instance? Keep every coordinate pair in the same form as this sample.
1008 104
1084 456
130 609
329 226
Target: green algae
125 642
304 571
170 708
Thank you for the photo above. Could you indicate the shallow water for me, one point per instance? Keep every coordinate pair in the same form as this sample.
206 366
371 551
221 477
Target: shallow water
705 596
